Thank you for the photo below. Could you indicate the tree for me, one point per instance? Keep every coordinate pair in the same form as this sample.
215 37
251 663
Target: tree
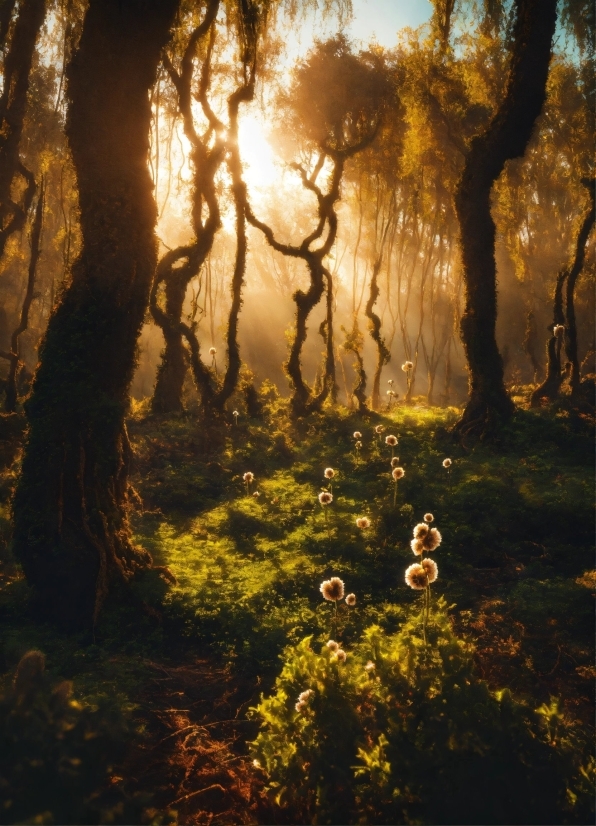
13 105
335 105
505 138
71 530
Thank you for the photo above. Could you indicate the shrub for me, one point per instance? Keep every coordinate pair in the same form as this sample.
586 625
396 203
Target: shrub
404 732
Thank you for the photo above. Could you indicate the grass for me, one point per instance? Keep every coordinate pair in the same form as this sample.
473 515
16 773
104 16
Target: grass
517 526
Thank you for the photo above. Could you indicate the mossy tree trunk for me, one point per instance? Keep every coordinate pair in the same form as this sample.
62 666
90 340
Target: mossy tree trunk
506 137
70 509
574 272
10 403
13 106
564 317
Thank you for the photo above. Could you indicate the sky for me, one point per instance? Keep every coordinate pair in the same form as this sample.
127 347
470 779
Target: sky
381 19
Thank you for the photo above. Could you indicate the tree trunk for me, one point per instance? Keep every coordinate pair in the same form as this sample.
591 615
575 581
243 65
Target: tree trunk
576 268
167 396
13 106
71 531
11 382
506 137
374 323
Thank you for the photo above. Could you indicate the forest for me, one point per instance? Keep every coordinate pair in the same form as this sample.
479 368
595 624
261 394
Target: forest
297 390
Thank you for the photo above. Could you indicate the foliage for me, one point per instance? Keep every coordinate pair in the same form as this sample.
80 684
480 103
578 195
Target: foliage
57 754
414 738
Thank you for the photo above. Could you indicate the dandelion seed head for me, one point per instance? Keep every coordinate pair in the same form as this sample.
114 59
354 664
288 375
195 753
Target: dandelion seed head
395 461
370 666
256 494
329 473
363 522
358 445
332 589
300 706
305 696
332 645
432 571
428 517
357 434
416 577
248 476
391 440
447 462
417 546
407 365
235 413
325 498
351 600
420 530
379 429
212 351
398 473
340 656
558 330
432 540
390 381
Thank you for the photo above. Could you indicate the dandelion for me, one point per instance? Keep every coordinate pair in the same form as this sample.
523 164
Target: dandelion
305 696
390 382
329 473
235 414
433 540
391 441
417 546
558 330
420 530
431 569
357 434
395 461
332 589
212 352
340 656
332 646
351 600
370 667
300 706
358 445
325 498
363 522
248 478
428 517
416 577
256 494
378 430
397 473
406 366
447 465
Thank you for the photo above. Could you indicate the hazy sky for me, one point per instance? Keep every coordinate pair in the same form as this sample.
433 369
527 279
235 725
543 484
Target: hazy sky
383 18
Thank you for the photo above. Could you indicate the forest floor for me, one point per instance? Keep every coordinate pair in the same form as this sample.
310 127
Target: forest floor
174 667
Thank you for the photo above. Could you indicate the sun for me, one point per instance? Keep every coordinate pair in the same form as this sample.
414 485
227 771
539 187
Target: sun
260 169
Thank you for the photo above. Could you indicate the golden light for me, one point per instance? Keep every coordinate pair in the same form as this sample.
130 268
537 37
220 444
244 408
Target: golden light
261 171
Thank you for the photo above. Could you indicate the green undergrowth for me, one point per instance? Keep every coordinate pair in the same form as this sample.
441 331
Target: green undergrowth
517 525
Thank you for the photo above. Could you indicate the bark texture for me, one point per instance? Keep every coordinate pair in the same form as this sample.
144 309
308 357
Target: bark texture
70 510
564 316
506 137
10 403
13 106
